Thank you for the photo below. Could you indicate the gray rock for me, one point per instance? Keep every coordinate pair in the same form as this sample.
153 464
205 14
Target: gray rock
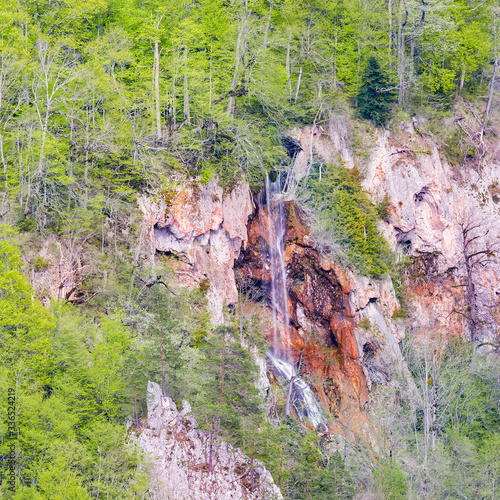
178 455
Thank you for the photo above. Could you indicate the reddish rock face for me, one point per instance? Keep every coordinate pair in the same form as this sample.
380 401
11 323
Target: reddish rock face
321 322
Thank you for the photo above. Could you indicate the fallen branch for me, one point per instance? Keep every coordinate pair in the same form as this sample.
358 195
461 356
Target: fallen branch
491 344
417 152
156 281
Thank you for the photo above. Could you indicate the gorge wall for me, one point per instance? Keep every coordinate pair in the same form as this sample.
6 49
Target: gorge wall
215 236
432 205
446 217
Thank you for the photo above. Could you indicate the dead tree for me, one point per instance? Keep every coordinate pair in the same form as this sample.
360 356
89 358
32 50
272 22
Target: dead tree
478 252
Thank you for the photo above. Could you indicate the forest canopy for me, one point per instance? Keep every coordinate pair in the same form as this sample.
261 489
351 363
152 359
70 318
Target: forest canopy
97 97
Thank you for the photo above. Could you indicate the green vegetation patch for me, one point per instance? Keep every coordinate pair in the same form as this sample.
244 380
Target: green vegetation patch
347 215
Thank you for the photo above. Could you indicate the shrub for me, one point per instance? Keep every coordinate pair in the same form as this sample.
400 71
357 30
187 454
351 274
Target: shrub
391 481
364 324
458 148
40 264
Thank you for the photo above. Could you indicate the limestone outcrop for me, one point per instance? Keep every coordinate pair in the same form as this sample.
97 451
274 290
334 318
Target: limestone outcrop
432 203
206 229
179 454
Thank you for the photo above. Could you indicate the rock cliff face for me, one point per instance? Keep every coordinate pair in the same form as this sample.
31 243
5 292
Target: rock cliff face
325 303
437 215
442 215
214 234
180 455
206 229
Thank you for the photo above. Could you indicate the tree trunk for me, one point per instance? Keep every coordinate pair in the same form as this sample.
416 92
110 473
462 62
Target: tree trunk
281 467
491 90
156 70
239 55
211 83
471 300
401 64
287 65
401 70
187 114
425 387
390 33
266 27
289 396
210 453
495 67
5 173
335 62
163 381
434 411
71 158
462 81
252 472
298 84
41 153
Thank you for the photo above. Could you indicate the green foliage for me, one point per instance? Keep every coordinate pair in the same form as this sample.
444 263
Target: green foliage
391 481
384 207
67 374
375 99
170 326
330 481
79 142
226 394
365 324
89 117
458 148
349 216
40 264
25 326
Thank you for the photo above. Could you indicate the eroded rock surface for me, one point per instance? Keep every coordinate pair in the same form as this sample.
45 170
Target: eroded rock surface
206 229
179 455
431 202
324 304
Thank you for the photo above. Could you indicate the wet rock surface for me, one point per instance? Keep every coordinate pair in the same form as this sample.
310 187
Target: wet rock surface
324 304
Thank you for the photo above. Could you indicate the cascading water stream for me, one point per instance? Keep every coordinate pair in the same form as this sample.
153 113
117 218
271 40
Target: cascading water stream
279 295
303 400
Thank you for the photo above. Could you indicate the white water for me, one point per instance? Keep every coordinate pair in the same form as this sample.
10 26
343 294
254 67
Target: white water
305 403
279 295
303 400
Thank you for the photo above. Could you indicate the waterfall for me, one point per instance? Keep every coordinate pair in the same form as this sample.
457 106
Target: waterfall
303 399
279 294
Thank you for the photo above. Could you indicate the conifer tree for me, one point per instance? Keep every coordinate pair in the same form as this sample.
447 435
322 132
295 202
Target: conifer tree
374 98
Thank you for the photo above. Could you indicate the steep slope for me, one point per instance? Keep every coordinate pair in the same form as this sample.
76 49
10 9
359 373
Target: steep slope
445 217
188 464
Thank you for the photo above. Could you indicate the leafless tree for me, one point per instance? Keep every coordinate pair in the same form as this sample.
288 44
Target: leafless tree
479 248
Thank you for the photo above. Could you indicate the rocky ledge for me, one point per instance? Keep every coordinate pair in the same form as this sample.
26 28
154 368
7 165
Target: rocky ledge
180 454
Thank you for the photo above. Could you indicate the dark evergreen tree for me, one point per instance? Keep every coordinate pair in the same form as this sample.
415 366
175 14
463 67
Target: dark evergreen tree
374 99
226 395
